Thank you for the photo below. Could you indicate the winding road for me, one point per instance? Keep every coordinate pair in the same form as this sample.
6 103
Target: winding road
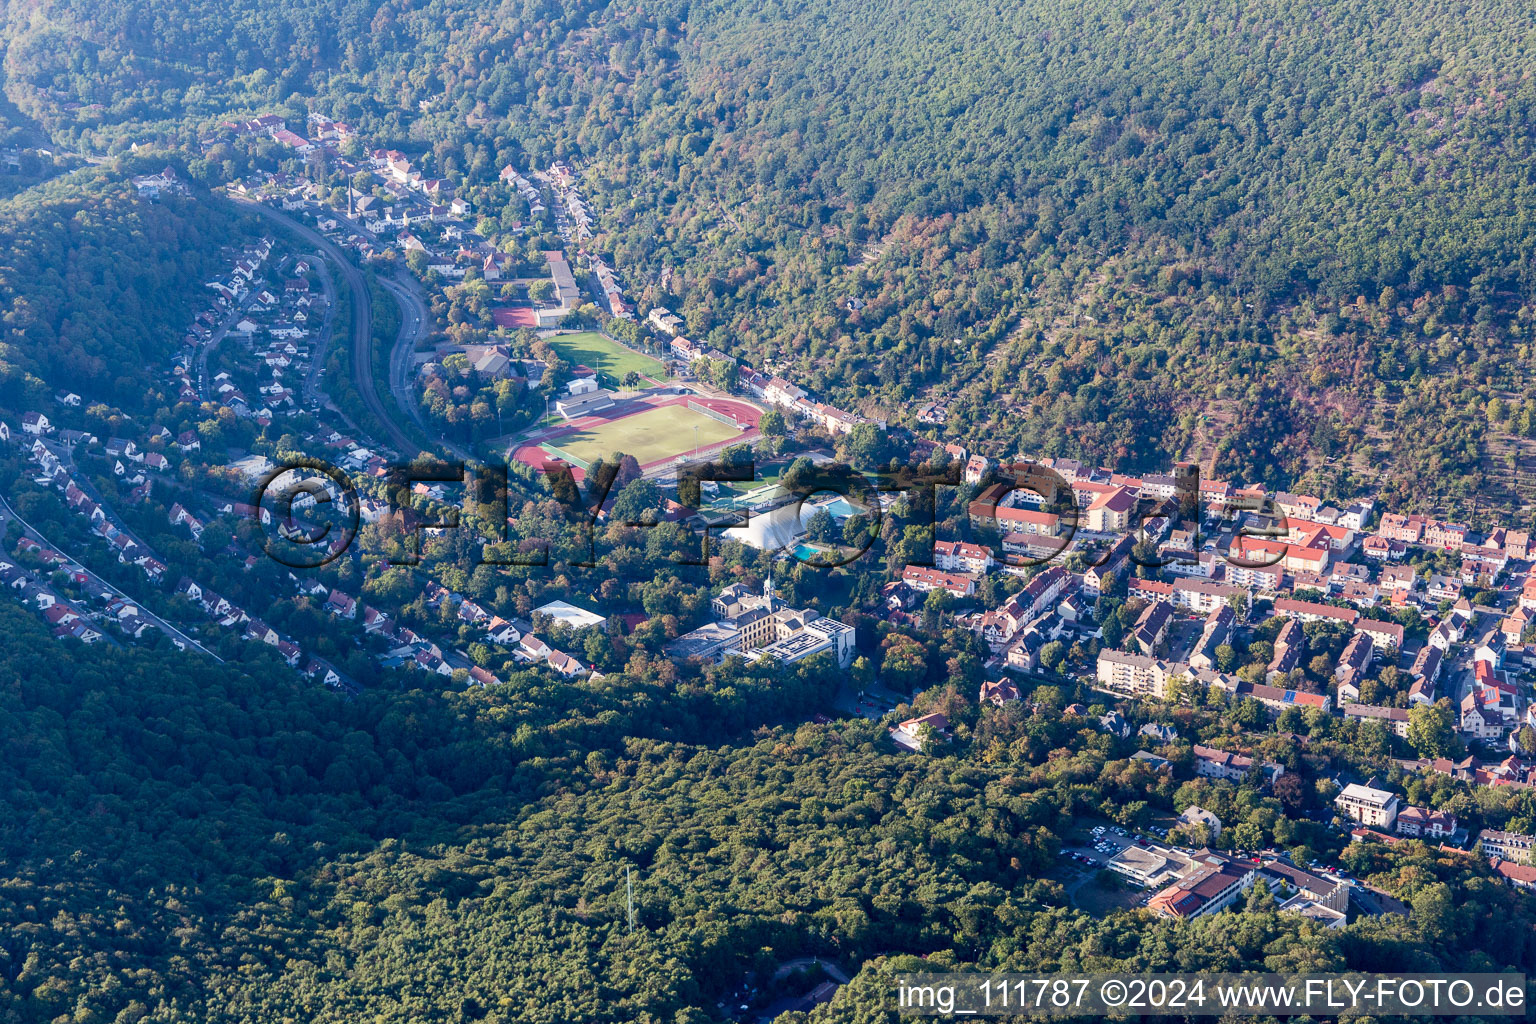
413 324
362 323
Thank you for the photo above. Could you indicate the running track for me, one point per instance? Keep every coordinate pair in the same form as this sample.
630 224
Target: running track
529 453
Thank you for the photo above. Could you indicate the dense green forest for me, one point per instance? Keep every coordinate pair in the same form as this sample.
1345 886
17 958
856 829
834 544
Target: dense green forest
1297 235
98 287
189 842
1121 231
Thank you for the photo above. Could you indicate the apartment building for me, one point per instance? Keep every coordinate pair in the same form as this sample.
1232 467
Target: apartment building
1137 674
1368 805
1513 846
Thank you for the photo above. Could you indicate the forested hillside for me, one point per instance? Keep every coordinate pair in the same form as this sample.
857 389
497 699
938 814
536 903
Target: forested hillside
189 842
1296 236
94 285
1117 230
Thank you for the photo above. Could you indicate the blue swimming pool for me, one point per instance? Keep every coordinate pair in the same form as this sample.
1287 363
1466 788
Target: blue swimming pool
839 507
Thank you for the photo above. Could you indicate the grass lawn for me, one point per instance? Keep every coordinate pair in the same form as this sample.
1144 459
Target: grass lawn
612 361
762 476
649 436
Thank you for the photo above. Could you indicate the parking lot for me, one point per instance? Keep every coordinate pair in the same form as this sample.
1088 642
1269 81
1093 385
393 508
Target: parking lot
1182 636
1091 849
873 703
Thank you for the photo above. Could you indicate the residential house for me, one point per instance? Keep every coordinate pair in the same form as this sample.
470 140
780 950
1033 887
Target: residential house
1395 719
1487 714
999 693
1199 816
1421 822
923 579
1221 764
913 732
341 605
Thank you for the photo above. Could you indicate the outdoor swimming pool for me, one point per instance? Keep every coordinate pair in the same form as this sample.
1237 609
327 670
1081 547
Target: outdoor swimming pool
839 507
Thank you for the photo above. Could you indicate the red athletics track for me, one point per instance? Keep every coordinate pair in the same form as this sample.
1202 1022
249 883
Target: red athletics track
530 454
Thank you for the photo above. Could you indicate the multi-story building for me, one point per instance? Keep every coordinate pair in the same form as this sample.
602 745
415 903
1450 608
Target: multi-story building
1290 645
1353 664
1421 821
1277 698
738 598
755 624
1408 529
714 641
958 556
1319 914
1218 627
1368 805
1152 625
1259 551
1099 576
815 636
1110 511
1202 596
1514 846
1223 764
1441 534
1137 674
1395 719
1211 888
1019 523
923 579
1311 611
1255 577
1286 880
1488 713
1383 634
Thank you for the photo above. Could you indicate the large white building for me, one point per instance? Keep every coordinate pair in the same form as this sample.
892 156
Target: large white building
817 635
1368 805
755 626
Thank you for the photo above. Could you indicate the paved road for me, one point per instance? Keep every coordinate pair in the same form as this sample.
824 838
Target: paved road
311 393
789 967
203 383
413 324
66 456
362 323
6 512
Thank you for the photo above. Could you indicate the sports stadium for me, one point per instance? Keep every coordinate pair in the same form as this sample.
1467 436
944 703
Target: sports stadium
657 429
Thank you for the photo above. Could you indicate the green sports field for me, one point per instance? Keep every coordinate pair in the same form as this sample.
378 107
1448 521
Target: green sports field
650 436
611 361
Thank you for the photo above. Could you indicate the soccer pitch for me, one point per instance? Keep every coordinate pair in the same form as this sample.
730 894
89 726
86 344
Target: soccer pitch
610 360
649 436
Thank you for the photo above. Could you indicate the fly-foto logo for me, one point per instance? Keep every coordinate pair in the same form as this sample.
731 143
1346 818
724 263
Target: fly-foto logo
313 511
